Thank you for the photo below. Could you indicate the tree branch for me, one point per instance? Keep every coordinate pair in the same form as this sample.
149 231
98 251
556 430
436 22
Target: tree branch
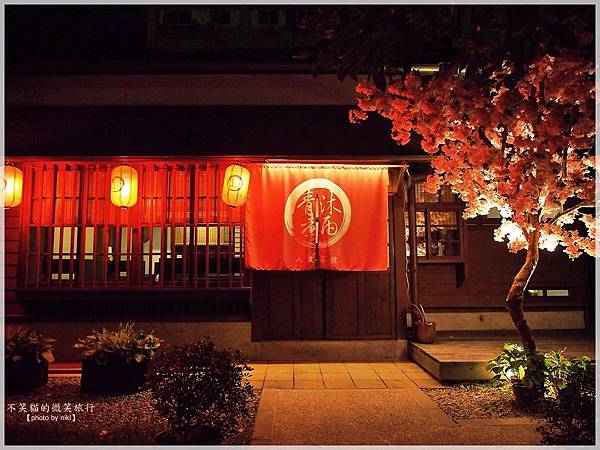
573 209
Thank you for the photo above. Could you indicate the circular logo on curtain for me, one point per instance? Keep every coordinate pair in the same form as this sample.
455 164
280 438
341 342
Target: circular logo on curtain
317 211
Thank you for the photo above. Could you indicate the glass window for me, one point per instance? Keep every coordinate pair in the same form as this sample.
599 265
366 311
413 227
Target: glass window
544 293
557 292
438 225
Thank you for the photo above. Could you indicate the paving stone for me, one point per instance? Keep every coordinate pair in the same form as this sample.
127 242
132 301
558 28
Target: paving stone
309 384
339 384
279 376
392 375
257 375
383 365
364 375
329 376
257 384
357 365
332 367
308 376
258 366
278 384
273 366
307 367
399 384
369 384
419 376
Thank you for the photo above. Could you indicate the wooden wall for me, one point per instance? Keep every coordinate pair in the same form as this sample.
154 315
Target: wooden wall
323 305
488 273
12 236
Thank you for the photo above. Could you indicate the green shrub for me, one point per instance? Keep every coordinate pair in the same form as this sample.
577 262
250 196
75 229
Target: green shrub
124 343
517 365
533 369
23 344
560 369
197 386
570 417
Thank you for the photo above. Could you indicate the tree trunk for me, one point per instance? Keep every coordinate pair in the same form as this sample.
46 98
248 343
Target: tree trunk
515 298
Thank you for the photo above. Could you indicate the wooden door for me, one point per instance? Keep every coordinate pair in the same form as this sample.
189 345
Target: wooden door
335 305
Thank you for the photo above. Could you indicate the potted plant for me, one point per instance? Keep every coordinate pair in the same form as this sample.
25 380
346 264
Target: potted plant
116 361
201 392
526 371
27 355
424 329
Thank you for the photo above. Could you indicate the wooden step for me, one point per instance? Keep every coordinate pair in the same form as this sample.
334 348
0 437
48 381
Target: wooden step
464 356
449 371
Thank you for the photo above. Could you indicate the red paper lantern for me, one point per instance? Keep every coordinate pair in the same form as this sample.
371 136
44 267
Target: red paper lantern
235 185
11 184
124 186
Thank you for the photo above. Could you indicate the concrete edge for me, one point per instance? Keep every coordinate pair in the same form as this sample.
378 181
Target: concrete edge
262 434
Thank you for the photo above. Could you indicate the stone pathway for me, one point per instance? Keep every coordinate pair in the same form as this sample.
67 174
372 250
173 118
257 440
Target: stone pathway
376 403
340 375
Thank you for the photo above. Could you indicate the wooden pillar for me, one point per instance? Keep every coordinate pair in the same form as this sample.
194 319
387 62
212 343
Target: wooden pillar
400 259
412 239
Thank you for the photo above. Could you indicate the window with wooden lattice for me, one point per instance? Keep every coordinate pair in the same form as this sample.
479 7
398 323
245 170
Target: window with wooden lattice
179 234
439 226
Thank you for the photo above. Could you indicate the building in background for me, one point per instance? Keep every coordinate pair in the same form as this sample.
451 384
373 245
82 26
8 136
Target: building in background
180 93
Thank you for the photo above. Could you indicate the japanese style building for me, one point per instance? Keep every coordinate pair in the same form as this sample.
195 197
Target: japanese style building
303 269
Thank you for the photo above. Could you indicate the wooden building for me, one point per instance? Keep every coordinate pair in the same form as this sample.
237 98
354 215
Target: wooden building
175 261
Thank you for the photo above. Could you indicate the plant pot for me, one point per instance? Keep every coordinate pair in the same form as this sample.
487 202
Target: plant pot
524 396
203 435
25 375
425 332
117 376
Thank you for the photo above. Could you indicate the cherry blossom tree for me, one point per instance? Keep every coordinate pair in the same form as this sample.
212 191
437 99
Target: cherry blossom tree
518 138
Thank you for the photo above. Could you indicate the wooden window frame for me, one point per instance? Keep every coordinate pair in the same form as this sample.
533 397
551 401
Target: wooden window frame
203 209
427 208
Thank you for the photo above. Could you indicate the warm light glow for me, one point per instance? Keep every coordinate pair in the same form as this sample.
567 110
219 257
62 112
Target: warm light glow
124 186
11 184
509 230
235 185
549 242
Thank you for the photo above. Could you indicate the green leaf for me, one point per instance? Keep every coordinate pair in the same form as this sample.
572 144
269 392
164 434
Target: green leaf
139 357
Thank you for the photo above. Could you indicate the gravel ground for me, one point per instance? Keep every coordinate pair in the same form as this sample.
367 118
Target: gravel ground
104 420
491 400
